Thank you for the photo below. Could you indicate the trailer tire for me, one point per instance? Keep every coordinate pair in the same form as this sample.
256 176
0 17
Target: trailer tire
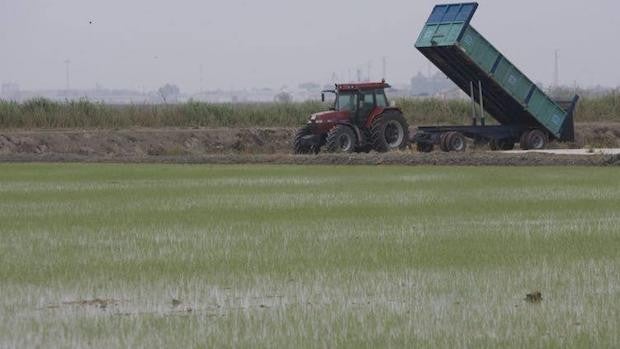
455 141
389 132
537 139
442 141
299 146
493 145
424 147
341 139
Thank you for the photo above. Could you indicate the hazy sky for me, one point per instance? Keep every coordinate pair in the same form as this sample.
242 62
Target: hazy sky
242 43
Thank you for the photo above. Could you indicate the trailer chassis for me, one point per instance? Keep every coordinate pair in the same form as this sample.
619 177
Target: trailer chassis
499 137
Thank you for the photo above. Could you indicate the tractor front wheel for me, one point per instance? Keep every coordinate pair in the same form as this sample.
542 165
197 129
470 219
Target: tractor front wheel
300 146
389 132
341 139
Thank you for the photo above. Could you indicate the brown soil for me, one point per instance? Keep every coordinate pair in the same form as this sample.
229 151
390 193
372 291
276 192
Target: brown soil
143 142
534 297
259 145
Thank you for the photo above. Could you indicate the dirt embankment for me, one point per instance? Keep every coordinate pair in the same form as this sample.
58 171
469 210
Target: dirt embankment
147 142
256 145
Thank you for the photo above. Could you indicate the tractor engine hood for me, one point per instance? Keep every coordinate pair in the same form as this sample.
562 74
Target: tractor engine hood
330 116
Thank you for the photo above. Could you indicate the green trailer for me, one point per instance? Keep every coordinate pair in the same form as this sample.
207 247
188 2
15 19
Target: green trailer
525 114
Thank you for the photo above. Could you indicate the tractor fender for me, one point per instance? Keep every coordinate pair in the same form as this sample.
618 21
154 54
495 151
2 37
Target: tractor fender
356 129
379 112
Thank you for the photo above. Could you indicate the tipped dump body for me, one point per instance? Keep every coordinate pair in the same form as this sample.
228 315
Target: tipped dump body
464 55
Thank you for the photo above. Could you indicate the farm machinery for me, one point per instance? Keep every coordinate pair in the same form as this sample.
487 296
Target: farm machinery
523 113
361 119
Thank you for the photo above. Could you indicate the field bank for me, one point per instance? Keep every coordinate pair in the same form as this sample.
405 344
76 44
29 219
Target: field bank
291 256
190 144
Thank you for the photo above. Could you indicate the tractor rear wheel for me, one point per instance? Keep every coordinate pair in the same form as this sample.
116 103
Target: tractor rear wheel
389 132
341 139
299 145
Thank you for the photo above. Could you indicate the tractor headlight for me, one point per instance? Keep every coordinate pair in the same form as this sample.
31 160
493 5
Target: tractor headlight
315 120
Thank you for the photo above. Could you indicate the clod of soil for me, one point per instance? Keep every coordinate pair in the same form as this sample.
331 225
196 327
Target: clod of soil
534 297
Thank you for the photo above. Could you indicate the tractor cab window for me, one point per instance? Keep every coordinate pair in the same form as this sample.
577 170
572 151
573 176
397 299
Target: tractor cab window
368 100
367 104
346 101
381 99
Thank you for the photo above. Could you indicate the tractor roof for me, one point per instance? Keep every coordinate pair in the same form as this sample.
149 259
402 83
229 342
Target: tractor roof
362 86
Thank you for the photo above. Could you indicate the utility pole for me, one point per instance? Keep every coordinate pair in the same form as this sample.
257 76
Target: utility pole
368 72
67 64
556 70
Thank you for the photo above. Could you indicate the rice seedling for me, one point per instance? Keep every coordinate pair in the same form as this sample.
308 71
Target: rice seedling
293 256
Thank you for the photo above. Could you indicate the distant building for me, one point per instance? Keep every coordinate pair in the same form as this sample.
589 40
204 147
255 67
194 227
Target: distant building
10 91
425 86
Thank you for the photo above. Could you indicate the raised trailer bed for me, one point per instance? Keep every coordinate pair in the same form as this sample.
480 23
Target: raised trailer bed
525 114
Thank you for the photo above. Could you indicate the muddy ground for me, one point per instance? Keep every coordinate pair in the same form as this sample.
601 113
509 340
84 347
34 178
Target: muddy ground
260 145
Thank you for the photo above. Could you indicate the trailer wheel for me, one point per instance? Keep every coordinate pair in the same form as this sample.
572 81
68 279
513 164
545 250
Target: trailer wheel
424 147
455 141
536 140
493 145
442 141
341 139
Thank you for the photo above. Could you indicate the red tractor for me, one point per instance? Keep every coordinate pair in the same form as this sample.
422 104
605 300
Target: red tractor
360 120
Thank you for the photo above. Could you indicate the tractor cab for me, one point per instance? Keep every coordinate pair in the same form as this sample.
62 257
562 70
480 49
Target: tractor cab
356 101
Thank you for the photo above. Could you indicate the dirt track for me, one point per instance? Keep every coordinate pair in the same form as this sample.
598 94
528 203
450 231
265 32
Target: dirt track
265 145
